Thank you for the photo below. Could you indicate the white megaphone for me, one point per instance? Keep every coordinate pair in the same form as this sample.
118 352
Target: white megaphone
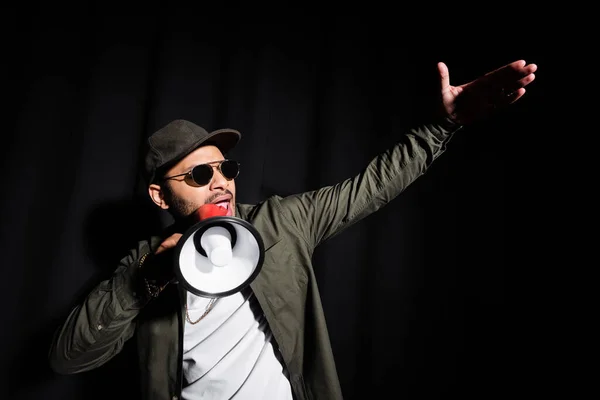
219 255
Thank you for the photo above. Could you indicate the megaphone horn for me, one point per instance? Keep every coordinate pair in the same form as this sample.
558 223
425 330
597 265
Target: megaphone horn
218 256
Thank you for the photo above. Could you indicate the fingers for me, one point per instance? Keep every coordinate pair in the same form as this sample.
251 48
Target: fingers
510 87
529 69
515 86
169 243
511 72
507 84
509 69
524 74
444 76
514 96
527 80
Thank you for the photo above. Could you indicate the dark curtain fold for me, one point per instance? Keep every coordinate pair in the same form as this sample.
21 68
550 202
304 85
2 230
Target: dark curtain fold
415 295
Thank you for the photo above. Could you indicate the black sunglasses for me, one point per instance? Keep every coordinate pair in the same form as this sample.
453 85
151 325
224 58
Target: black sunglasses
202 174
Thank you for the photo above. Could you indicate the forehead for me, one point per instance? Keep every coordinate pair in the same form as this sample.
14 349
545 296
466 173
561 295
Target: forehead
201 155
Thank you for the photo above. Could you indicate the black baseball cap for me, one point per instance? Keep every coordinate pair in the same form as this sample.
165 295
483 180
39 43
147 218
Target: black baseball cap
177 139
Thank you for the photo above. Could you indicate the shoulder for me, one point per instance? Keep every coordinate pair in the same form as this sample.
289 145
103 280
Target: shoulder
141 247
250 211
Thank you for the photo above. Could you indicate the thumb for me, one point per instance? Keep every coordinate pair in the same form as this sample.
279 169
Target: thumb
444 76
168 243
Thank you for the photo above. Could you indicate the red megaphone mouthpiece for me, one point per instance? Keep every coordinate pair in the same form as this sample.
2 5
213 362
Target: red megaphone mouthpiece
210 210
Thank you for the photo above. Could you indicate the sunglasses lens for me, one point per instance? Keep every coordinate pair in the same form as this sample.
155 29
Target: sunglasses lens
230 169
202 174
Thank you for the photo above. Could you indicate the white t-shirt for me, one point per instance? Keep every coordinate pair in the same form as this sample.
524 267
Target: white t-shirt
228 354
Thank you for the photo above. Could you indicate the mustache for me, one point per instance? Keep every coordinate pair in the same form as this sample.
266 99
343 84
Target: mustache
217 195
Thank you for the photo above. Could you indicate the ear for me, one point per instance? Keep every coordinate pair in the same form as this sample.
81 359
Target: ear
157 196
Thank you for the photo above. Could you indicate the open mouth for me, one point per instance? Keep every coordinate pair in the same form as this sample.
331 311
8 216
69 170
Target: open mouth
226 205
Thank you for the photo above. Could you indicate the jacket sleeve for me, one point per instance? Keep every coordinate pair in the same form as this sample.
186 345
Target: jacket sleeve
325 212
96 330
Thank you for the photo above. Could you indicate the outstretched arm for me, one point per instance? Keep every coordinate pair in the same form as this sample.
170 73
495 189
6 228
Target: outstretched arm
323 213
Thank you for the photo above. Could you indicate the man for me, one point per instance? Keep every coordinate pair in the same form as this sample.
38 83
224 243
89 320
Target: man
268 341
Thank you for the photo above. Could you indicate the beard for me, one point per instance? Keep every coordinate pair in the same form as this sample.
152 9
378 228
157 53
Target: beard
181 208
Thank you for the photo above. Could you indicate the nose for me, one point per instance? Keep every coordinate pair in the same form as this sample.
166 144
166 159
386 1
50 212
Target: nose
218 181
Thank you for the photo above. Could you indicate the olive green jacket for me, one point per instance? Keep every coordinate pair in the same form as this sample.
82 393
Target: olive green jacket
291 227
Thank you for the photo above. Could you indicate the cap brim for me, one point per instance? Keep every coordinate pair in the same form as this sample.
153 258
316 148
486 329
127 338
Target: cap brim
224 139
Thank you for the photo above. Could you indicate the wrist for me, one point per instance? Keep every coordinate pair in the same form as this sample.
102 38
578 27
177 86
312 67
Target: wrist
153 283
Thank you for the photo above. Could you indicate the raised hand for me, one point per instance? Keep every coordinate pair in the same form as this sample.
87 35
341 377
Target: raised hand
487 94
